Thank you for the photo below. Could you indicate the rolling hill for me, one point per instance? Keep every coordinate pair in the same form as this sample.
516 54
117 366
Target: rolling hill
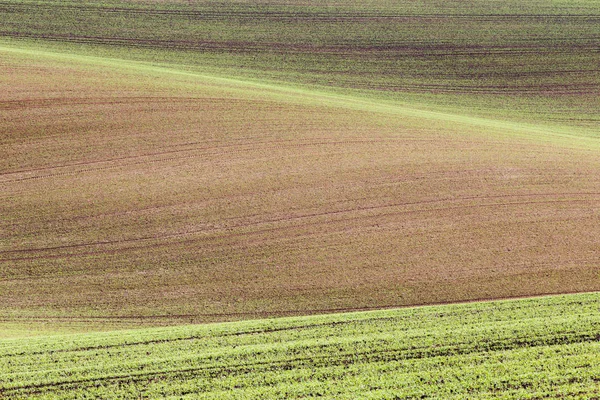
175 162
518 349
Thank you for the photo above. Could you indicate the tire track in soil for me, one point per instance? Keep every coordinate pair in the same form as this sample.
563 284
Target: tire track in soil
215 231
266 314
435 175
281 144
529 46
299 14
212 335
28 103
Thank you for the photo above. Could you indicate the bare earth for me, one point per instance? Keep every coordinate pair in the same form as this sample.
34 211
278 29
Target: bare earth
129 195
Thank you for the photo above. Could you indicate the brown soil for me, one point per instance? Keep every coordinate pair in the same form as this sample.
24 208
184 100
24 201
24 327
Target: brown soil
131 196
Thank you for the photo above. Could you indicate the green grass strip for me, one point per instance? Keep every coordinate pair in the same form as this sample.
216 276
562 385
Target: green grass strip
529 348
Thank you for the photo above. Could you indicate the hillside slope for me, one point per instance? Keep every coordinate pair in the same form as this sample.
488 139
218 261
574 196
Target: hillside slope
134 191
536 348
533 60
158 184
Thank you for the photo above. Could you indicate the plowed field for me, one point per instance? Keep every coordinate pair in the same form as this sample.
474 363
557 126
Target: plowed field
166 190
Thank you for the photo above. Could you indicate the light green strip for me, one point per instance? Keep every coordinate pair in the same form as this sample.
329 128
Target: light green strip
562 136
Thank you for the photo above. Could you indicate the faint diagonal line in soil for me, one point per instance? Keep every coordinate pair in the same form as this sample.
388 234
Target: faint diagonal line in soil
243 147
288 219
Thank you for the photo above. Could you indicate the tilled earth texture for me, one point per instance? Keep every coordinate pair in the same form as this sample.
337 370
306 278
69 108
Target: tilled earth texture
166 162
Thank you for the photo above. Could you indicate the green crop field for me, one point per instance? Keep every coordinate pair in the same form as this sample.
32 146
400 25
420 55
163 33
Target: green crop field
523 60
527 349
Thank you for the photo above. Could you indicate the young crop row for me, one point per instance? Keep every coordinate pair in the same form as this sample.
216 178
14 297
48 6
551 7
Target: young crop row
516 349
468 51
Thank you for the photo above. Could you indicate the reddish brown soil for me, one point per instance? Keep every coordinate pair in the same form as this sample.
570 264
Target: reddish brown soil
137 197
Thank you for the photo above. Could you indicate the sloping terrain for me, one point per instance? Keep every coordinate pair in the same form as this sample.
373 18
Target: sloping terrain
201 168
519 349
527 60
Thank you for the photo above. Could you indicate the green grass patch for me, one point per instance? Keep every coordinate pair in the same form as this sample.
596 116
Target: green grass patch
533 61
530 348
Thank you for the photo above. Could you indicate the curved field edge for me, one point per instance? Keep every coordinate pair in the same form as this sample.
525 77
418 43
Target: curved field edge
527 348
533 59
565 135
201 198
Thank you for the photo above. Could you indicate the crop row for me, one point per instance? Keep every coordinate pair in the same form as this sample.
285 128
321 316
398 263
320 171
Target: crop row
522 348
521 49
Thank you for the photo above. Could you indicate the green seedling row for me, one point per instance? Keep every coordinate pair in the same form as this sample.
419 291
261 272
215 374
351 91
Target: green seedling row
532 61
531 348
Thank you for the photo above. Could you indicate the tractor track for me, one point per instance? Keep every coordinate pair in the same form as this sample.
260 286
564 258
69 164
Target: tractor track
221 233
242 148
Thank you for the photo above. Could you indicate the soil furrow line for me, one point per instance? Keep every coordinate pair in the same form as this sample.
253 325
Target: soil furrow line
274 229
249 147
